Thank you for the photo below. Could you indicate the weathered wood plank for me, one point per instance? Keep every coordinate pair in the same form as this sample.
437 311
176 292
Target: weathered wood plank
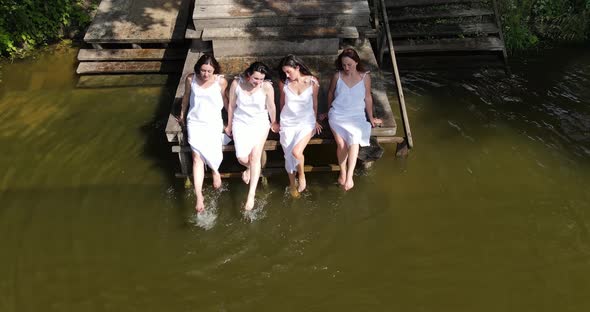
415 3
129 67
270 21
121 81
280 32
146 21
259 3
244 47
439 14
444 45
131 54
278 9
445 30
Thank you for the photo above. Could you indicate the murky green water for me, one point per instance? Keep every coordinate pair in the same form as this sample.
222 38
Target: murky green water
489 213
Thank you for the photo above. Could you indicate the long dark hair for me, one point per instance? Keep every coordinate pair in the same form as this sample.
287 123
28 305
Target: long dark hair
207 59
292 61
350 53
258 67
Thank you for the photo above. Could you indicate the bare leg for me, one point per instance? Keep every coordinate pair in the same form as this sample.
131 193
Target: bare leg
353 153
293 186
254 171
198 176
245 161
342 155
298 154
216 179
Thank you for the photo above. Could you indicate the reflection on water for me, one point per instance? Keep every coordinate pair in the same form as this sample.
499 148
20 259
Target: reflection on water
489 212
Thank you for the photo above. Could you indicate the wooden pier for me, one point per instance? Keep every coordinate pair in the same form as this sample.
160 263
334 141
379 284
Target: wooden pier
156 37
444 32
239 32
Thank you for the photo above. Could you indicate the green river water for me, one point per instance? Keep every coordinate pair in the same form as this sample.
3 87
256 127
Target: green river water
490 212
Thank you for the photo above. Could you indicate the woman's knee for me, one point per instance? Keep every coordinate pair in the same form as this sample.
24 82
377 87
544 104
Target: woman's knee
297 154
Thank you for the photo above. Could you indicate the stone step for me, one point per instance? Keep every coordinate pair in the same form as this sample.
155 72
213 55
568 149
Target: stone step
279 32
85 68
261 47
131 54
121 81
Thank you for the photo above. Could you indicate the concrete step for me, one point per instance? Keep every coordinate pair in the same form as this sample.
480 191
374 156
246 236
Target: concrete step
261 47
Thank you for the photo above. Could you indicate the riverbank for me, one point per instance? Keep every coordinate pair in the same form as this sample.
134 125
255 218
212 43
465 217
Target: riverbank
26 26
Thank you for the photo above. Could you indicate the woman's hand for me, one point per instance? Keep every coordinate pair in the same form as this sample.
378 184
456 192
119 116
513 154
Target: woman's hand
228 130
180 120
318 128
275 127
376 122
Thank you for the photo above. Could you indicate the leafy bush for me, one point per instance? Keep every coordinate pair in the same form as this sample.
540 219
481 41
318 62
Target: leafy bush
527 23
25 24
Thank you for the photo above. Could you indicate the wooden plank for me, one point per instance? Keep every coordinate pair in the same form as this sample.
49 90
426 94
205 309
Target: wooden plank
278 9
121 81
445 30
280 32
415 3
340 20
444 45
259 3
129 67
244 47
146 21
131 54
439 14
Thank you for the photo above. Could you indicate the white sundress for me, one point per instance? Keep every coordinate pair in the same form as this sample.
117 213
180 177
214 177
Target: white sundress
297 120
347 115
205 124
250 120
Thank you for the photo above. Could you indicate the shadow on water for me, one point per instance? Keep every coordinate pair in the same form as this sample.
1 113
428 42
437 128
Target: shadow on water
546 102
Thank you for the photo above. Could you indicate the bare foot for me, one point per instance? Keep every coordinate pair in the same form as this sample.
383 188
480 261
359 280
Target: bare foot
216 180
342 178
348 185
200 207
246 176
302 183
293 191
249 204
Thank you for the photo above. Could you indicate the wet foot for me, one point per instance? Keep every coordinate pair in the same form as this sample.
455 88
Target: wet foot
246 176
348 185
200 207
293 191
216 180
302 184
249 204
342 177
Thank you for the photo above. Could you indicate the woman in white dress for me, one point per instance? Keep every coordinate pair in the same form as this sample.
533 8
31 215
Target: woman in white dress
299 106
251 103
350 112
205 92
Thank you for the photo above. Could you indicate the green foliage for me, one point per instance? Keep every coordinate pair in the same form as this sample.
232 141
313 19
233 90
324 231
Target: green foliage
25 24
527 23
